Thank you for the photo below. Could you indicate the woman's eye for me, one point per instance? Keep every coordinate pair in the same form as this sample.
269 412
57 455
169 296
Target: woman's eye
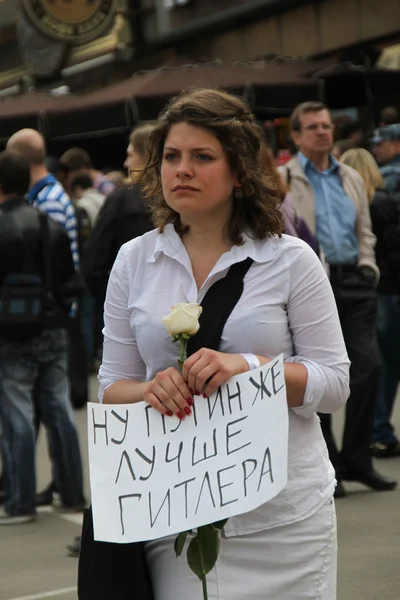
204 157
170 156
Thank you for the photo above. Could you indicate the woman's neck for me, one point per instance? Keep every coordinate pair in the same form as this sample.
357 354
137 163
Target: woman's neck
206 233
204 246
208 238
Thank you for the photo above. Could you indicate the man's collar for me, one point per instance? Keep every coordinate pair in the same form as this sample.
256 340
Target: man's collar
306 162
303 160
335 164
41 183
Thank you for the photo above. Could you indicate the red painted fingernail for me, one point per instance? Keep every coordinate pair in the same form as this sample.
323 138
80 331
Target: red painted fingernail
170 413
197 393
204 395
189 401
192 392
181 415
187 410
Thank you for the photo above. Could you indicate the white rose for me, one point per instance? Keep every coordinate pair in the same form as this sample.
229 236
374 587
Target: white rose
183 318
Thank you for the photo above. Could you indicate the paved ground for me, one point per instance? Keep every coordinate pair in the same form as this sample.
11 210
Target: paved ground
34 564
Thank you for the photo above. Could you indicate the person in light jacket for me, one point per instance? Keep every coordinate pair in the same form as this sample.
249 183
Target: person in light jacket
332 199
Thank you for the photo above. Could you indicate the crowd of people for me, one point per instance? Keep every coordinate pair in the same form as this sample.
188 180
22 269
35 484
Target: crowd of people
64 228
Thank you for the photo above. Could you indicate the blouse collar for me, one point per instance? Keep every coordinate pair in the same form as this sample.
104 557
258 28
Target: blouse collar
170 244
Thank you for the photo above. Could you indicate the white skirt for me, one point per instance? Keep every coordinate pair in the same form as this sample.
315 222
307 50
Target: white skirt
292 562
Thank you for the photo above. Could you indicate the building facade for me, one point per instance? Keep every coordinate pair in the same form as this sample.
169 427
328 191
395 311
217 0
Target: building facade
242 30
84 43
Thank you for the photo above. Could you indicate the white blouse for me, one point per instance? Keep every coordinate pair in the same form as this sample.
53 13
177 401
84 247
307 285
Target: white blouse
287 306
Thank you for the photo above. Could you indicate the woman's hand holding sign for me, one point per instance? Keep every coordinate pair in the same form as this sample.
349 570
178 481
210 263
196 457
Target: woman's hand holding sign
169 394
207 369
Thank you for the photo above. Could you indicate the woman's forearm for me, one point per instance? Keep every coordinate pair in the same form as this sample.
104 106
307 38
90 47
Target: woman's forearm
125 391
296 376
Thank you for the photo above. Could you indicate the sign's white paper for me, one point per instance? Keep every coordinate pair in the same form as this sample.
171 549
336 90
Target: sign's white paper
152 476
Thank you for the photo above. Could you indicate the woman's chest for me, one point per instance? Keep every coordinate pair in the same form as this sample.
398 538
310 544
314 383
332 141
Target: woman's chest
258 323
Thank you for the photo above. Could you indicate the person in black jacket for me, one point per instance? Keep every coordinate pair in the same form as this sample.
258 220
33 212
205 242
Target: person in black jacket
123 216
385 217
33 354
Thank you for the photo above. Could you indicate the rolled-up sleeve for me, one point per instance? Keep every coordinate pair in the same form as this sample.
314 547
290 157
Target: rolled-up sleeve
317 336
121 357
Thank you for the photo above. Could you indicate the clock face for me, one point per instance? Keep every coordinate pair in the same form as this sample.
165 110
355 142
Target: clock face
41 55
72 11
74 21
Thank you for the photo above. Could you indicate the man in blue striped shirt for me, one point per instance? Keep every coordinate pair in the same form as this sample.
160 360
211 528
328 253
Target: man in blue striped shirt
46 192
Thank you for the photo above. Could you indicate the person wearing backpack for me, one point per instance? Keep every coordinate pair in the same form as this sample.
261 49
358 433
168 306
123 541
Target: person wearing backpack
49 196
36 271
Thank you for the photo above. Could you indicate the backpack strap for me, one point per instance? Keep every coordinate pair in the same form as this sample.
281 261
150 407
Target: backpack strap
288 177
218 303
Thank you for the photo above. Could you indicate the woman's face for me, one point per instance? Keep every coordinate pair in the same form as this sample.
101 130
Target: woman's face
134 160
196 178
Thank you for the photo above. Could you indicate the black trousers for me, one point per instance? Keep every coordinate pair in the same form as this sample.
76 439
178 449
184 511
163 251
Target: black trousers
356 301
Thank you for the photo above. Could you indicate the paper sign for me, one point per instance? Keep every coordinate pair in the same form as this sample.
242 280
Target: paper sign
152 476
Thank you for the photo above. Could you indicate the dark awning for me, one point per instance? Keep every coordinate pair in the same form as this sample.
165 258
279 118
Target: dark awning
272 89
349 85
277 86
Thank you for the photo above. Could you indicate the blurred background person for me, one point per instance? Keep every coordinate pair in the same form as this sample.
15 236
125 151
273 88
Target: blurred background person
45 191
386 149
294 224
76 161
386 226
124 216
48 195
86 197
389 116
116 176
53 166
340 146
88 202
33 355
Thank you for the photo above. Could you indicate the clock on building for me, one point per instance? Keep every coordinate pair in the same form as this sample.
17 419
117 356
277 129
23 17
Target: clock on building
73 21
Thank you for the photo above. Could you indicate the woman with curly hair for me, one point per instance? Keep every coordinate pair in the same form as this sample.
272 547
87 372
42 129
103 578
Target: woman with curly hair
214 205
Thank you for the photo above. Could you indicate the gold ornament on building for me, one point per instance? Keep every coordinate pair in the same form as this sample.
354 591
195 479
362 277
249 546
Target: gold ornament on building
73 21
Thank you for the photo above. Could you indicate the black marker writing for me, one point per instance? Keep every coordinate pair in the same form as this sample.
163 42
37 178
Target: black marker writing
121 515
205 455
122 420
99 426
267 459
230 435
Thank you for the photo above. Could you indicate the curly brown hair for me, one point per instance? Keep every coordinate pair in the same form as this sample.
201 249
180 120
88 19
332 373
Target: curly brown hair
228 117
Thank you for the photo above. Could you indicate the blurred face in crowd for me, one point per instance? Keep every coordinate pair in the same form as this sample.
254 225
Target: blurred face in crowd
70 175
134 160
386 151
316 133
196 177
77 192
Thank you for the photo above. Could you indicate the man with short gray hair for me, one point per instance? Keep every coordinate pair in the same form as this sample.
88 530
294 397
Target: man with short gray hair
331 198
